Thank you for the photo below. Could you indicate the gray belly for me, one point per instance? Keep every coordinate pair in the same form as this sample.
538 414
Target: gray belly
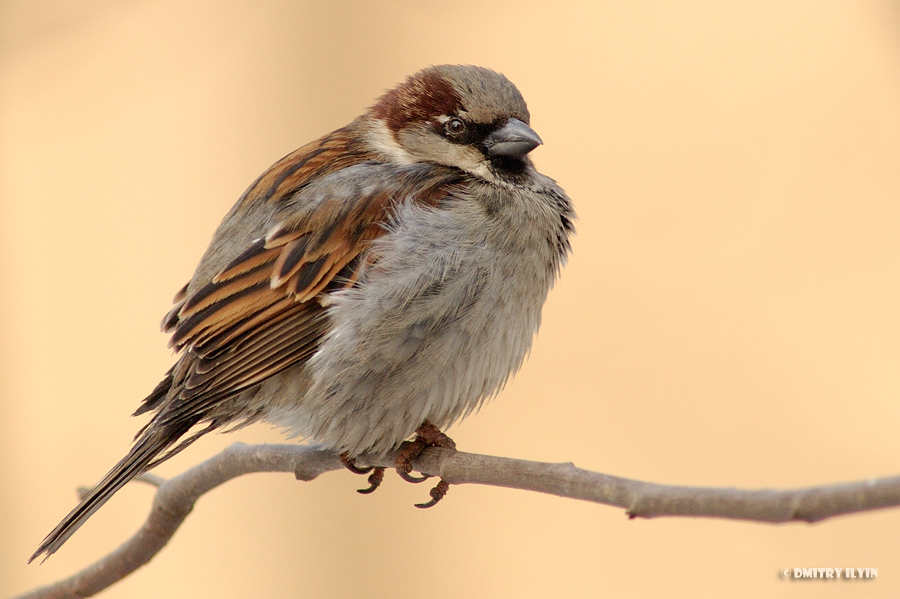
440 320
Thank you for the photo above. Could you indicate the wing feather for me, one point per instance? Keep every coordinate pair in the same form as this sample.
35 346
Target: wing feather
260 314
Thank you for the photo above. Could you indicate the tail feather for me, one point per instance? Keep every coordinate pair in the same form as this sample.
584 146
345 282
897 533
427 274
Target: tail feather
145 452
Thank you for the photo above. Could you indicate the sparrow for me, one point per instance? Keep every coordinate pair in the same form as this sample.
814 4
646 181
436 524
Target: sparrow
378 283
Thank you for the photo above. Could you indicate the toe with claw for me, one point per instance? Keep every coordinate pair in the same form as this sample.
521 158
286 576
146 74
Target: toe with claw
375 478
427 435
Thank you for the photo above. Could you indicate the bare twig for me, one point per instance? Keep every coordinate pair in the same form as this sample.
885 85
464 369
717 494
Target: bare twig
175 498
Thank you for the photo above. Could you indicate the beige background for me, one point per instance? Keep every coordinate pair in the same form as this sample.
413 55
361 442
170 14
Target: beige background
730 315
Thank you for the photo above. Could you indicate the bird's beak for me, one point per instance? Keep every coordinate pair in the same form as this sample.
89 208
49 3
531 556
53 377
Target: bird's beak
512 140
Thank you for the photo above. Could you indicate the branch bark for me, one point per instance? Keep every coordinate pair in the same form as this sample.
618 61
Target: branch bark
175 498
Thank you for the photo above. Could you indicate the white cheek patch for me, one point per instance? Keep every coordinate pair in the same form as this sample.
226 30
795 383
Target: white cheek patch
382 140
438 150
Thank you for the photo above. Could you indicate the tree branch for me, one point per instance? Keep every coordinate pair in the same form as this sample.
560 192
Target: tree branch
175 498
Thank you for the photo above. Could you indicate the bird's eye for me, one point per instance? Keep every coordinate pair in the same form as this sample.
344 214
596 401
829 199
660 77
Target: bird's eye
455 127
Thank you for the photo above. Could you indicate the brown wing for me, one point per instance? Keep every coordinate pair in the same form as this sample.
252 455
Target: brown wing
218 319
260 315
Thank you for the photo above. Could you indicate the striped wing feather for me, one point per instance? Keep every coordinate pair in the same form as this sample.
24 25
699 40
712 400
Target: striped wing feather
259 314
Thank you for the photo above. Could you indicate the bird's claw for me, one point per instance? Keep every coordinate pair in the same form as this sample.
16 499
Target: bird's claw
374 481
375 478
427 435
411 478
350 464
437 493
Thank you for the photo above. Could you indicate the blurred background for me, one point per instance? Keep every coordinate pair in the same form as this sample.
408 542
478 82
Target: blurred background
729 317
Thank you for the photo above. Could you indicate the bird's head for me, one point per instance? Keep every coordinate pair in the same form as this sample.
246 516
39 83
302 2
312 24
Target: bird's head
465 117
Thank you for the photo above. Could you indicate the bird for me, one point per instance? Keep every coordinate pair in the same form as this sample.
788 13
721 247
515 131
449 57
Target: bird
374 286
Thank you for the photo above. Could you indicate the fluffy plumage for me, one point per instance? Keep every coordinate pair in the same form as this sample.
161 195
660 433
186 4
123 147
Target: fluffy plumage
389 273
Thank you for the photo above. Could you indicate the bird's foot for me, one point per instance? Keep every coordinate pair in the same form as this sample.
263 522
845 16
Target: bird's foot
427 435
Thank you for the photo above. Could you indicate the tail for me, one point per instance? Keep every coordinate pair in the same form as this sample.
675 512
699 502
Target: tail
145 454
